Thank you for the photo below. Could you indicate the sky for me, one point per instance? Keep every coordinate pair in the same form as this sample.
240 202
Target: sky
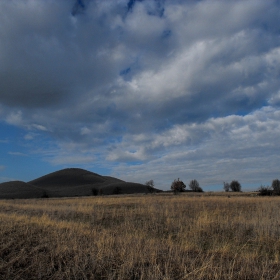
141 90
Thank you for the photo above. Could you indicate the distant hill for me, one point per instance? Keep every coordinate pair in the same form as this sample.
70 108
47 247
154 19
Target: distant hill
19 189
68 183
68 178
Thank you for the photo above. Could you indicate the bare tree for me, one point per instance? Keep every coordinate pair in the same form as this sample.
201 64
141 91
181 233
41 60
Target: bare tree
226 187
178 186
150 183
150 186
194 186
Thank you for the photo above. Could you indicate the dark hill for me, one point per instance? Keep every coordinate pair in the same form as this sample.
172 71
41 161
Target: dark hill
70 182
126 188
19 189
67 178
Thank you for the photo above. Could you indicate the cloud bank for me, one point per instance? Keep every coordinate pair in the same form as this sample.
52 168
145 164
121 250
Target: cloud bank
148 89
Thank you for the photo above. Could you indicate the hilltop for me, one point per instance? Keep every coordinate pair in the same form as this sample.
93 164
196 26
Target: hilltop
68 183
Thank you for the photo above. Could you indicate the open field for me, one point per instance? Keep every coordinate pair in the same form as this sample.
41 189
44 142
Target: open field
161 236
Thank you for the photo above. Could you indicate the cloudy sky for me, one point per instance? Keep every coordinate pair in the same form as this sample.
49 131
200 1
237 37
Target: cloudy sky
141 90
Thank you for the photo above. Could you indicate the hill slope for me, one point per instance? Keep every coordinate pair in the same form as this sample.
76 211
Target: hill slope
19 189
70 182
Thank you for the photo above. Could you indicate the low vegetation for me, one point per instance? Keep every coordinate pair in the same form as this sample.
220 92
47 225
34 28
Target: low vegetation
274 189
178 186
194 186
234 186
162 236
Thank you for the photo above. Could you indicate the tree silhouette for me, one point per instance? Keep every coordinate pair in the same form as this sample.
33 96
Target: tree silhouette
235 186
194 186
276 186
178 186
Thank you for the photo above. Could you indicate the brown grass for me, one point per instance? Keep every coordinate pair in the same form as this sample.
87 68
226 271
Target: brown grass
141 237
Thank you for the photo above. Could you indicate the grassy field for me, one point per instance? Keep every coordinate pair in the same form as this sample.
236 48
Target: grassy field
161 236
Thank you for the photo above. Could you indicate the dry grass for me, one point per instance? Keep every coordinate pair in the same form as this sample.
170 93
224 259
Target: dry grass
141 237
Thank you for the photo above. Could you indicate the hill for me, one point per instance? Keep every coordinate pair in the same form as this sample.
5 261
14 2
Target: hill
19 189
68 183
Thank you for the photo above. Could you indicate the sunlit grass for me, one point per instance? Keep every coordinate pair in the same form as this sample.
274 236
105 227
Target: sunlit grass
141 237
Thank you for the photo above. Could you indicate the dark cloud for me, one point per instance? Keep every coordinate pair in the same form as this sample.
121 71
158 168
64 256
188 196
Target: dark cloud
116 79
78 8
131 3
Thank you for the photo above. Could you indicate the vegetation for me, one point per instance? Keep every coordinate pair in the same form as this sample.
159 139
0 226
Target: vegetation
45 195
234 186
263 191
117 190
178 186
191 236
150 186
273 190
150 183
276 186
94 191
194 186
226 187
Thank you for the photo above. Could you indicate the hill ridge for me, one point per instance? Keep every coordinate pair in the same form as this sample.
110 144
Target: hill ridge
70 182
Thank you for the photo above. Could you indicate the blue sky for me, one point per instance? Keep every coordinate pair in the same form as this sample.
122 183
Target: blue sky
140 90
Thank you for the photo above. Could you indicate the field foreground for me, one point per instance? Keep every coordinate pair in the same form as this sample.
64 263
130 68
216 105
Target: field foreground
141 237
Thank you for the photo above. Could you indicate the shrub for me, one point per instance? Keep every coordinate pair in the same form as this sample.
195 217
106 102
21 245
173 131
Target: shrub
45 195
94 191
276 186
265 190
235 186
194 186
117 190
178 186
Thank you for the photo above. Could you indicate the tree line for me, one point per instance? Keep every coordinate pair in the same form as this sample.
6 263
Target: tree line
179 186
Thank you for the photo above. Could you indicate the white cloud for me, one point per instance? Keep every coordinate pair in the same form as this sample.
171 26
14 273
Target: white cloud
15 118
39 127
85 131
220 149
169 85
127 155
29 136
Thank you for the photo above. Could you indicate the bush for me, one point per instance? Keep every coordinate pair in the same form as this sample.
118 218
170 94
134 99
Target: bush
235 186
265 191
45 195
94 191
194 186
117 190
178 186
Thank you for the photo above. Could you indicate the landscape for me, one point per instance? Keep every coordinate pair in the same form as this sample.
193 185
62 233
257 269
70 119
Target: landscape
139 140
70 182
141 236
